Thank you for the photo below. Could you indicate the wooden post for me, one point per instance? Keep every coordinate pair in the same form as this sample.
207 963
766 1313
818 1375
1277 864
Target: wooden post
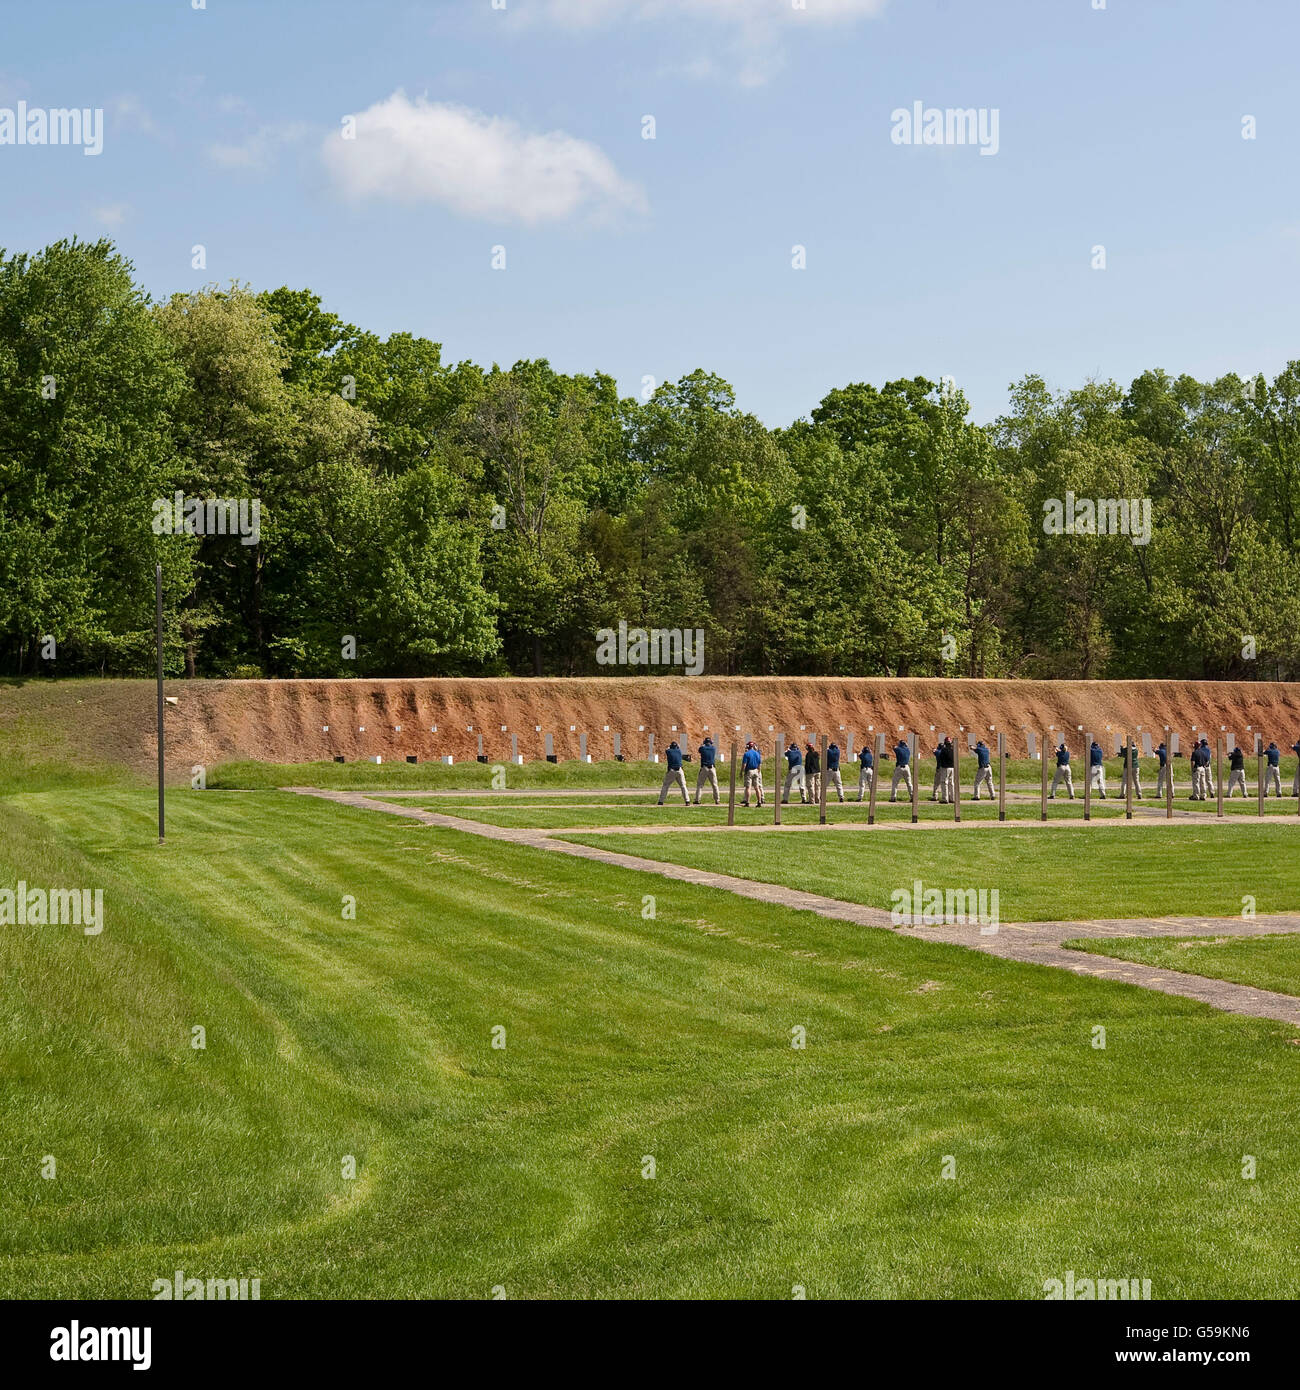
956 779
1129 751
731 790
916 779
875 777
1002 776
821 782
1169 777
1042 758
1087 776
1218 758
776 769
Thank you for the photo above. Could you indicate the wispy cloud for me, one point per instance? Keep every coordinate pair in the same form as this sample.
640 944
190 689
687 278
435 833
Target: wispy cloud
477 165
258 150
112 214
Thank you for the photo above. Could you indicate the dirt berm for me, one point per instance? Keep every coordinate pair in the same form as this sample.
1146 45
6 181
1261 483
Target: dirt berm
308 720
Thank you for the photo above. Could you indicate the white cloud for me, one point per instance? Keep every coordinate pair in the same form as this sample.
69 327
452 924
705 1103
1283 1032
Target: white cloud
478 165
112 214
258 150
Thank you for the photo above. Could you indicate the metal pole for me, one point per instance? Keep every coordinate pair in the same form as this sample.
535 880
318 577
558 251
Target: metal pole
162 756
1218 754
916 778
1259 753
876 761
1169 776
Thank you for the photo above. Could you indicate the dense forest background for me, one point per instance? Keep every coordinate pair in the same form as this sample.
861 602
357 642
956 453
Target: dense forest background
458 520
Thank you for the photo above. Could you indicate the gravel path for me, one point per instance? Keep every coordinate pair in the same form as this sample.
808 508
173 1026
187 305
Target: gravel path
1036 943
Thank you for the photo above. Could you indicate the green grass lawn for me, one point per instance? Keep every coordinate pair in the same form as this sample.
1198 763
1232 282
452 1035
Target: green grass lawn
1041 875
1267 962
626 1037
548 815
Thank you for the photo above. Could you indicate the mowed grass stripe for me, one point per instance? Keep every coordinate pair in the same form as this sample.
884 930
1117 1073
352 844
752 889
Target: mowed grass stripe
1097 872
1266 962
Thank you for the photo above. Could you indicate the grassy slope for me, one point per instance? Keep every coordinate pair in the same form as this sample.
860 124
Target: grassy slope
626 1037
1267 962
1041 875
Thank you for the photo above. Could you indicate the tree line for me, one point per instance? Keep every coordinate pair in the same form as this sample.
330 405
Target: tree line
425 518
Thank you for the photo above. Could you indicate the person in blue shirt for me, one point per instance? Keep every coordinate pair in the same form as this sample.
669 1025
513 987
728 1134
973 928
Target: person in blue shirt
1202 777
938 772
1097 768
708 772
1273 768
902 770
1062 773
1166 773
794 774
866 770
833 771
674 776
751 763
983 769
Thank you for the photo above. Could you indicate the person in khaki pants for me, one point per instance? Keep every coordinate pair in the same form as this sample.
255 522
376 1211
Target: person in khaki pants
1236 772
752 765
983 769
1166 774
1062 776
833 772
794 778
708 773
674 776
812 766
1273 769
902 772
866 771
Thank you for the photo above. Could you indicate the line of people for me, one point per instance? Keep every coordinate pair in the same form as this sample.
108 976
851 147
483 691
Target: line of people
804 772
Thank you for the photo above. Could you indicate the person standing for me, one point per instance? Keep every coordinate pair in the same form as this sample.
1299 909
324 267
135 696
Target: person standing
947 764
983 769
752 764
1295 786
1062 775
708 773
674 776
1203 779
1166 773
866 771
1237 772
812 766
938 771
1097 768
1131 770
794 775
1273 769
902 770
833 771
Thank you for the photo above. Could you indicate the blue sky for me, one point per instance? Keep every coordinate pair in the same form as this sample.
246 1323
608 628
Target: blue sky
478 127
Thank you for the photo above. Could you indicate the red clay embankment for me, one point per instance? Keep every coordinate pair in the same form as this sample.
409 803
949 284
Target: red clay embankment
307 720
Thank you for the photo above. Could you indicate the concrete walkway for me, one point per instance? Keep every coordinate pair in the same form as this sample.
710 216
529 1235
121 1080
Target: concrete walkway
1035 943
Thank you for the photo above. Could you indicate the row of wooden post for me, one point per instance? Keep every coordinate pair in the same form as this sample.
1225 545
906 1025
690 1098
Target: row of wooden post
1129 746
